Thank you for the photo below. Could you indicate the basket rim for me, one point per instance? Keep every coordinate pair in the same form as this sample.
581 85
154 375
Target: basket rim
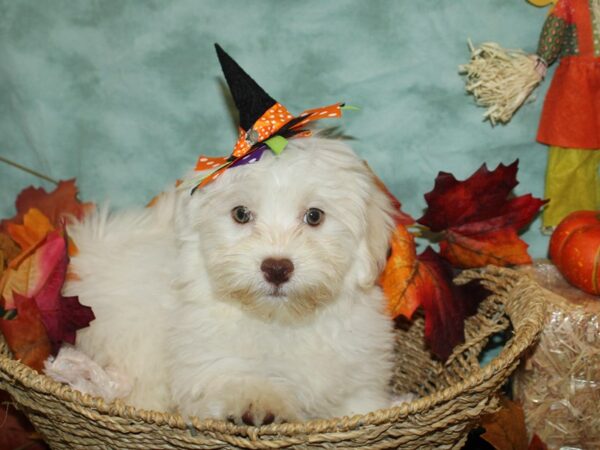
509 355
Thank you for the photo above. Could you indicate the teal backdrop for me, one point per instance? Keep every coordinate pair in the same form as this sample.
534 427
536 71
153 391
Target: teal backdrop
124 95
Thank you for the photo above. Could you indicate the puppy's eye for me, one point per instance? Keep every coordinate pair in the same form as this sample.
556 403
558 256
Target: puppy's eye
314 217
241 214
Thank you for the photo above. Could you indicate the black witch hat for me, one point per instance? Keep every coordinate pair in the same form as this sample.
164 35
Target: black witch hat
265 123
250 99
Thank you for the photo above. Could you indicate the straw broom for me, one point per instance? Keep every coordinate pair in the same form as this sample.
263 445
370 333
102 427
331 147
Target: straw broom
500 79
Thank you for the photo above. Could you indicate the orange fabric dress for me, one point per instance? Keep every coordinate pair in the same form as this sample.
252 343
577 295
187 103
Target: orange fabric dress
571 112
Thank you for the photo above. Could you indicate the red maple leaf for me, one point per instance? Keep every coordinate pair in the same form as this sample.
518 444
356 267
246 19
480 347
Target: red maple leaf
453 202
478 219
55 205
444 305
26 335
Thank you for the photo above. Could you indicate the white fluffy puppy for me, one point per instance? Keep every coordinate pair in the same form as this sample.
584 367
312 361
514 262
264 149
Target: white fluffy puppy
255 298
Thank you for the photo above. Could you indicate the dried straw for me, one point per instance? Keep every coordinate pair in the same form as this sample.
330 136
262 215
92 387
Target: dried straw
500 79
559 384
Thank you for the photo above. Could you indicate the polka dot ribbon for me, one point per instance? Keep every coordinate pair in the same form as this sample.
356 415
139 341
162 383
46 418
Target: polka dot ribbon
268 132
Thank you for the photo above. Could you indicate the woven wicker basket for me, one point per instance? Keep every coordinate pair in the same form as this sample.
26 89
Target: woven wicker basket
453 395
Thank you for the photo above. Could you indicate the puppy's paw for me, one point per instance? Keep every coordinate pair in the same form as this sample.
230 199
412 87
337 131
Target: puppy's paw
260 407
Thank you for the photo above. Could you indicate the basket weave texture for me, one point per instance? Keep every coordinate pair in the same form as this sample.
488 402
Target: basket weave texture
453 395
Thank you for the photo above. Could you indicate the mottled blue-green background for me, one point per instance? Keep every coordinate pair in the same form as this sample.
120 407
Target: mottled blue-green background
124 95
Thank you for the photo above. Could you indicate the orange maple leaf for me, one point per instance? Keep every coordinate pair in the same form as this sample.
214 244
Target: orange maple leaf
402 278
34 229
30 235
501 247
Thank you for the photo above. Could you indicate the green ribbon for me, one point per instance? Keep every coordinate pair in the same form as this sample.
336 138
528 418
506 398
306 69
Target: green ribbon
277 144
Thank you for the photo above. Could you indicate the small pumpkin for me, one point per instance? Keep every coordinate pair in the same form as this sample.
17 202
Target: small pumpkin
575 250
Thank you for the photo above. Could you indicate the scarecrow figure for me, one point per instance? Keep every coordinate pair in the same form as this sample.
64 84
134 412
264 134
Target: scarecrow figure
570 123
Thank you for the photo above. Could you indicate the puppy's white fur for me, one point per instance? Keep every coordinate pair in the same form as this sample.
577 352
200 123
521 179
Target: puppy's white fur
183 308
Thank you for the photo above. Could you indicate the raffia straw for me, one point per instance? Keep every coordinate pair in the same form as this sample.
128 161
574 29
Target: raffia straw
500 79
559 385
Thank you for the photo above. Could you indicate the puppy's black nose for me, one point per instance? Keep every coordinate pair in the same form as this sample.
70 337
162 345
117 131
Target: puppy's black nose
277 271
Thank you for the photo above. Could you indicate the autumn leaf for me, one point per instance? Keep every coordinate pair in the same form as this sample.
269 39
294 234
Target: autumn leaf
402 280
34 316
30 275
444 304
410 281
8 251
30 235
477 218
55 205
505 429
26 335
34 229
479 248
62 316
40 278
453 202
477 222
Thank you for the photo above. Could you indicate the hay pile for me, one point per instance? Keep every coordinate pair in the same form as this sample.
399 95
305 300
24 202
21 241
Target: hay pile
559 384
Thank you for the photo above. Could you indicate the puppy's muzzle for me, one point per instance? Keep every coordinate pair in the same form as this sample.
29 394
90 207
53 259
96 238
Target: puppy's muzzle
277 271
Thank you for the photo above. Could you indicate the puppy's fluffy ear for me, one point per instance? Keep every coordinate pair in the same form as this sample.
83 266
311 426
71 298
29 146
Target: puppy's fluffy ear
372 253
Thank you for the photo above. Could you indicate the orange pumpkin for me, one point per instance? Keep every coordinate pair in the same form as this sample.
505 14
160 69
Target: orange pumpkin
575 250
